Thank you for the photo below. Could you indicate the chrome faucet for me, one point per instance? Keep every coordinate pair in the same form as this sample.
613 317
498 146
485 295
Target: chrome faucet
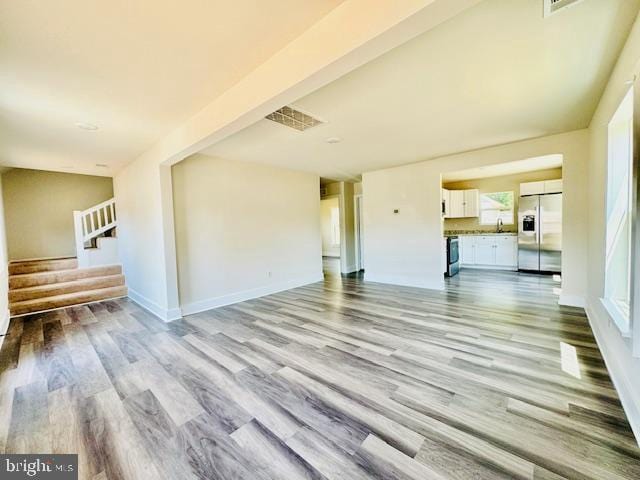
499 225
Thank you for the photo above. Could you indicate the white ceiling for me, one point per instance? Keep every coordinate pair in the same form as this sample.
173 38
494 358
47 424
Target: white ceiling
136 69
497 73
509 168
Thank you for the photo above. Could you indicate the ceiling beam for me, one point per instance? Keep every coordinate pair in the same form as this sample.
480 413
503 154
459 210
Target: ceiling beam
351 35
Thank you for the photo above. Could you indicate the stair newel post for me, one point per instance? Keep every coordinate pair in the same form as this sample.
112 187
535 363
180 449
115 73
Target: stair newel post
79 235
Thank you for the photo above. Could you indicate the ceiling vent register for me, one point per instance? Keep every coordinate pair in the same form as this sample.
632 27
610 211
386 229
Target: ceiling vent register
293 118
554 6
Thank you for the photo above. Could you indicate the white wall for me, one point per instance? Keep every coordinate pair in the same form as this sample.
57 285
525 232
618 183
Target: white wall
347 229
147 251
4 273
405 248
243 230
617 351
329 249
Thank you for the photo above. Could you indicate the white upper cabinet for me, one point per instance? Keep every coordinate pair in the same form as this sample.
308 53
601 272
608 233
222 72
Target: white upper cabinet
446 203
463 203
471 203
532 188
456 203
540 188
553 186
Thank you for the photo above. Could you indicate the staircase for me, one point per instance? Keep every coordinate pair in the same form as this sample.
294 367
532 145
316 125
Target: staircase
38 285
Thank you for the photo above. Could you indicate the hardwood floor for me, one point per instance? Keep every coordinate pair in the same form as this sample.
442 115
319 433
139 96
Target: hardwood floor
338 380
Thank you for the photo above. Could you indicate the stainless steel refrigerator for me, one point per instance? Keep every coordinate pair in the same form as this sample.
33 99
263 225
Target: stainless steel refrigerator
540 233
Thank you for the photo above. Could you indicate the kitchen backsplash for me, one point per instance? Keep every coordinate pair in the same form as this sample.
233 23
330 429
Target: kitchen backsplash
475 232
458 226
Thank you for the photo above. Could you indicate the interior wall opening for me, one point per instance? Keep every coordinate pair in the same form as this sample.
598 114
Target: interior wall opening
504 218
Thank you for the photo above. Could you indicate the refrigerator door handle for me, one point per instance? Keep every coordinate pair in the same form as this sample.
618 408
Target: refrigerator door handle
538 226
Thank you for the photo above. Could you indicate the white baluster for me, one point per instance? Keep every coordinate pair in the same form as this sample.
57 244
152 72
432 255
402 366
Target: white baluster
84 224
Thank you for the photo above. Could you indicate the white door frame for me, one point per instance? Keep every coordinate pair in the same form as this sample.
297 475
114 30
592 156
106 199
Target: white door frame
359 234
329 197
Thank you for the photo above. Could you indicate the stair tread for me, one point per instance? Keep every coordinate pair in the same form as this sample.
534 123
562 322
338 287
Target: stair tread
35 266
40 260
66 296
53 272
69 282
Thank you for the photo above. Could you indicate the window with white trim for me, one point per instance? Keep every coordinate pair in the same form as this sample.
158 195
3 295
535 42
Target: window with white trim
494 206
617 292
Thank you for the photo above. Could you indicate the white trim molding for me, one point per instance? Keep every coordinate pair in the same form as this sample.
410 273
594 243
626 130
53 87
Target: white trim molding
4 325
236 297
569 300
617 365
166 315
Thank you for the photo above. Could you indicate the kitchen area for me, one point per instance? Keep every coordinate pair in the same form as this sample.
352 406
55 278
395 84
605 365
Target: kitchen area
507 217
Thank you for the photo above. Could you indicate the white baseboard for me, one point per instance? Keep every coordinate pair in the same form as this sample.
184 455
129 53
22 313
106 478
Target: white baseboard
403 281
4 325
221 301
571 300
619 369
164 314
490 267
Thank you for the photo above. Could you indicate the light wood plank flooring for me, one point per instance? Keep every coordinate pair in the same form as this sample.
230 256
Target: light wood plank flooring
338 380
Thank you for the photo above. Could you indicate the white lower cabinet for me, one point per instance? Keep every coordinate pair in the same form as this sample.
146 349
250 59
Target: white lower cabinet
485 251
489 251
507 251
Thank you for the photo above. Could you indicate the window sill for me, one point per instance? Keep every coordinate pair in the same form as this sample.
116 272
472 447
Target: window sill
618 315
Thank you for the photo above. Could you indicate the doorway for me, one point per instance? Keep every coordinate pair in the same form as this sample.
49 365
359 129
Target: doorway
331 238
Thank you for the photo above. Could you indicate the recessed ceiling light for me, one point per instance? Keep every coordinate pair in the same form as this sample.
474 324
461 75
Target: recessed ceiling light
86 126
334 140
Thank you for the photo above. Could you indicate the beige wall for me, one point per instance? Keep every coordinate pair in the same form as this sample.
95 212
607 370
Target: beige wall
39 209
329 249
503 183
620 354
243 230
406 247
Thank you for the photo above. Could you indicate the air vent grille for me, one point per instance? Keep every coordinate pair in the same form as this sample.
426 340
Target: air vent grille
293 118
554 6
